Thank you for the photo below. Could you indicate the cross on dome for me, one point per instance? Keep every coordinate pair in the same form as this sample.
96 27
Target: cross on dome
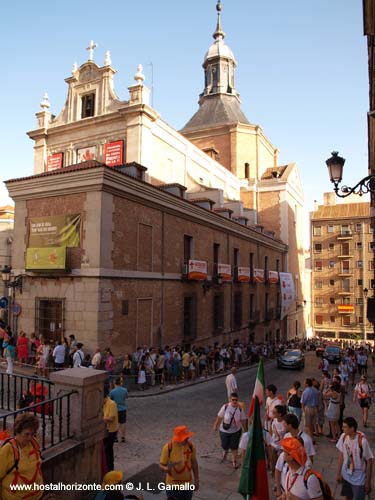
91 48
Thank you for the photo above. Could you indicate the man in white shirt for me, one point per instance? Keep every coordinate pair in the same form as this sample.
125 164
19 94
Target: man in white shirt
354 468
297 481
78 356
292 430
231 382
96 359
59 356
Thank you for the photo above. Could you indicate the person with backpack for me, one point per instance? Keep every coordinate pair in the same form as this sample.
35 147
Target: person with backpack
300 481
179 460
20 460
230 421
354 468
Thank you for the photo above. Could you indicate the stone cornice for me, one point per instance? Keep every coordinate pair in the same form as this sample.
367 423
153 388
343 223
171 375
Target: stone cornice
116 183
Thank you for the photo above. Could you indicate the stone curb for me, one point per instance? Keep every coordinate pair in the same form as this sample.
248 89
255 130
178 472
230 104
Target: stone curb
135 395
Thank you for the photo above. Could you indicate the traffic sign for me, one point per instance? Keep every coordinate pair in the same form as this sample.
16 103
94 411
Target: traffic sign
3 303
16 309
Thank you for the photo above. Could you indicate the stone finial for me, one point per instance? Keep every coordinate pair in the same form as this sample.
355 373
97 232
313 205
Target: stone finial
107 60
45 104
139 77
75 67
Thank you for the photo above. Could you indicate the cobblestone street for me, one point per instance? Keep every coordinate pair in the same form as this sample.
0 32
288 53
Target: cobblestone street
151 420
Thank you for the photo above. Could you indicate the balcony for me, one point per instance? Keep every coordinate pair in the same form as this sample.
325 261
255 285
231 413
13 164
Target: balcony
345 235
346 272
343 255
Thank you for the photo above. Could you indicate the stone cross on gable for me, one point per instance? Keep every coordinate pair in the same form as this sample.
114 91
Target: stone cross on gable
91 48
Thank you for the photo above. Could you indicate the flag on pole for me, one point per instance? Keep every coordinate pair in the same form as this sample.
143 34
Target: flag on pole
254 481
258 389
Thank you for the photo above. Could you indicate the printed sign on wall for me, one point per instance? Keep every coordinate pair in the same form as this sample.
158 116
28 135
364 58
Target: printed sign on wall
54 162
197 270
86 154
225 271
55 231
114 153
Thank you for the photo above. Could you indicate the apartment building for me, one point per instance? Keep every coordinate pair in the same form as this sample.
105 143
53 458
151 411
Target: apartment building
342 269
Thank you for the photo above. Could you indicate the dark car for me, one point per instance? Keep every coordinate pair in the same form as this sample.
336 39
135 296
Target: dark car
332 353
291 358
319 351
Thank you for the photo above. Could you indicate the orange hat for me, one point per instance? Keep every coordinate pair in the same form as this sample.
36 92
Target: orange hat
181 433
295 449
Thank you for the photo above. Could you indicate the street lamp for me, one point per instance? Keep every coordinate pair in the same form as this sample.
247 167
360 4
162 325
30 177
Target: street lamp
13 283
366 185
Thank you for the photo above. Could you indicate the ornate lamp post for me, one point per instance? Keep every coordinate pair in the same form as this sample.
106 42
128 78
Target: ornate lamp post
366 185
12 282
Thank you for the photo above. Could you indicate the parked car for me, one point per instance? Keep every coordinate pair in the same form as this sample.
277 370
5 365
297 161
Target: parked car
332 353
291 358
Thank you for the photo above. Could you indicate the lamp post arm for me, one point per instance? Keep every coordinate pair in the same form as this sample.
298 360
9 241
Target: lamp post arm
364 186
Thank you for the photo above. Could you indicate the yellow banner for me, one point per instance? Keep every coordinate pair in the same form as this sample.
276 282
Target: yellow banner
55 231
46 258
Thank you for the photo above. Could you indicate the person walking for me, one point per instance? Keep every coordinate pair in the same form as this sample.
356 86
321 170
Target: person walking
230 421
333 410
362 392
58 355
179 460
9 354
78 356
354 467
119 394
231 382
293 400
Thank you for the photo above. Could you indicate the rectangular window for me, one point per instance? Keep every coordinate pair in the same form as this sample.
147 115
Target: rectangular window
319 284
331 282
88 105
360 264
318 319
237 310
319 301
360 282
277 265
371 265
318 248
189 332
216 256
318 265
371 246
236 257
345 249
317 230
359 301
188 240
346 320
345 301
332 319
331 246
330 228
372 284
251 306
345 230
332 300
359 245
49 318
360 320
251 265
358 227
345 266
218 311
331 264
346 285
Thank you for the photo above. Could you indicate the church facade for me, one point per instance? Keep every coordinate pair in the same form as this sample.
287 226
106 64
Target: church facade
130 232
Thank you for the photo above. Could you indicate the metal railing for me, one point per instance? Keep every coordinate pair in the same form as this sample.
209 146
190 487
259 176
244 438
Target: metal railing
54 416
12 387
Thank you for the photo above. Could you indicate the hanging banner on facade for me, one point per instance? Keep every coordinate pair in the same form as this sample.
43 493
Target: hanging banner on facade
54 162
86 154
55 231
273 276
288 294
197 270
258 275
225 271
345 308
45 258
243 274
114 153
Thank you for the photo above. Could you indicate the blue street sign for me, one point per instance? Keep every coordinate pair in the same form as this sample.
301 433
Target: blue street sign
3 303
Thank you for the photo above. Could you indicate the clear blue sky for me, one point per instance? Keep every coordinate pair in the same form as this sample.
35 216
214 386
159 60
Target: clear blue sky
302 70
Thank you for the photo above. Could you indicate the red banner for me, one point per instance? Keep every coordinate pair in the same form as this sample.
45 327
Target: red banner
54 162
113 153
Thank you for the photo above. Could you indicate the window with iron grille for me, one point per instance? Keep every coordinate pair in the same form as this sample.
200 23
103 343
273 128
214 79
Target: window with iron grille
49 318
218 311
237 310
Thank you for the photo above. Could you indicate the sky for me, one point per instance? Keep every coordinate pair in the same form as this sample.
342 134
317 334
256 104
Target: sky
301 70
